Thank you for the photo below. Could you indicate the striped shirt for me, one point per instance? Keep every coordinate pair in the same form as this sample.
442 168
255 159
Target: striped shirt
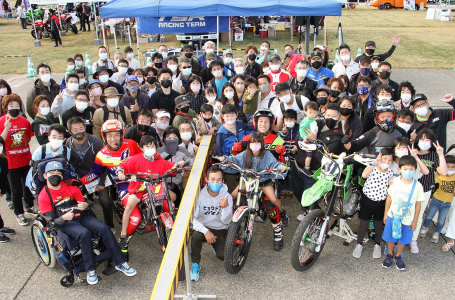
431 160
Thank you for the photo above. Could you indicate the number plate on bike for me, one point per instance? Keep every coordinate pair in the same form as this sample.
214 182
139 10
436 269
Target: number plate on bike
159 190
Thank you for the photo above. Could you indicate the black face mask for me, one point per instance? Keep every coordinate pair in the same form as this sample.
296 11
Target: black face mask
166 83
185 109
330 123
143 127
172 146
151 79
189 55
384 75
369 51
316 64
321 100
13 112
252 57
158 65
54 180
335 93
79 136
207 119
346 111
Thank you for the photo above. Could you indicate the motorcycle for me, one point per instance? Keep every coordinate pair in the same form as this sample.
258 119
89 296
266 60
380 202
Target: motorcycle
341 193
67 23
42 29
37 15
240 232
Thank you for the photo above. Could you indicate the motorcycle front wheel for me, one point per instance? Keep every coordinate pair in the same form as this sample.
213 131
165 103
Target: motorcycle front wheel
73 28
304 242
39 32
237 245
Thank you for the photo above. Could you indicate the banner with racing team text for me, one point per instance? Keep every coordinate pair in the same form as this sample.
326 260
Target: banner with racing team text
182 25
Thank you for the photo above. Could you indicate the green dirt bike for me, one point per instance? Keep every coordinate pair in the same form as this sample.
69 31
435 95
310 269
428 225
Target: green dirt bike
37 15
341 193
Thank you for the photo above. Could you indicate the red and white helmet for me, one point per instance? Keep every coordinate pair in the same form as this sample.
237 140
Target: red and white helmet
112 126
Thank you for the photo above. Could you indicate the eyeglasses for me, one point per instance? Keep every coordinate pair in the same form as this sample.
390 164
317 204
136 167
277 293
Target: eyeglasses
363 85
186 67
420 105
81 99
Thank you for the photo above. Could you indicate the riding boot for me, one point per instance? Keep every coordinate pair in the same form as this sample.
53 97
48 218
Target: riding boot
278 234
284 218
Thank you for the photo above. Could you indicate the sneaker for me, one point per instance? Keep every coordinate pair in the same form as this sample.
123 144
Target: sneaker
302 216
123 242
387 263
92 278
423 232
126 269
357 253
308 172
400 264
377 251
443 230
414 247
32 210
277 245
21 220
284 218
195 269
435 238
7 231
10 205
3 238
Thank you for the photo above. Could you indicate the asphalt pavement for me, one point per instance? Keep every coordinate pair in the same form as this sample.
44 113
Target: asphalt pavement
267 274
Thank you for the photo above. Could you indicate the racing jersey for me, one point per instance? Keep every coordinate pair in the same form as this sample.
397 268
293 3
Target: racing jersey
278 77
270 143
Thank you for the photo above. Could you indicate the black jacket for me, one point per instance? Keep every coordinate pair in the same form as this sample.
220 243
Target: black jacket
304 88
352 87
132 133
143 100
374 140
393 84
87 115
382 56
118 86
40 89
253 70
361 108
355 128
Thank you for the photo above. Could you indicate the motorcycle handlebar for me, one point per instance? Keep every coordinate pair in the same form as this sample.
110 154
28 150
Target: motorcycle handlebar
369 156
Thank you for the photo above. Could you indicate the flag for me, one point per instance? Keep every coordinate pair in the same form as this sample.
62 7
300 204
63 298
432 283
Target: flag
337 58
31 71
88 64
359 52
149 61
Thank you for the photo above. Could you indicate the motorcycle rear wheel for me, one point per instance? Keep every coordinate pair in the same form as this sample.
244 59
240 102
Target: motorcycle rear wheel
73 28
303 246
237 245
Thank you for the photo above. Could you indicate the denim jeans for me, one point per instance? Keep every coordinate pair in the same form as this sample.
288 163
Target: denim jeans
300 182
443 208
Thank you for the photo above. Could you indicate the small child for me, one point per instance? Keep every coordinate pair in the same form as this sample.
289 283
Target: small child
210 95
288 133
144 164
401 147
401 192
208 124
212 216
373 198
250 98
4 187
309 123
442 199
258 158
405 119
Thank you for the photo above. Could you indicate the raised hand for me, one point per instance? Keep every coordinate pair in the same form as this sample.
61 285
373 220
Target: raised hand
7 123
396 39
135 106
412 151
60 96
224 201
447 98
439 149
413 136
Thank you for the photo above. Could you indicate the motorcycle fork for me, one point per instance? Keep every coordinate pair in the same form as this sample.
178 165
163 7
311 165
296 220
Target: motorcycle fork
153 216
326 220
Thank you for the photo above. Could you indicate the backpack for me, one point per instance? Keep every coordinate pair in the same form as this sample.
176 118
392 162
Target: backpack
298 99
122 113
271 101
39 166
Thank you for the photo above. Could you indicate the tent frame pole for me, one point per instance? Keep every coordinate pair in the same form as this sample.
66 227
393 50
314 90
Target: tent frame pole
325 32
137 38
217 35
104 34
292 30
307 35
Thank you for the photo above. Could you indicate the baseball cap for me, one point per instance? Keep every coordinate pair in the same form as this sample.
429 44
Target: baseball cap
52 166
275 57
363 59
370 43
210 55
316 54
319 47
187 47
131 78
418 97
227 51
182 99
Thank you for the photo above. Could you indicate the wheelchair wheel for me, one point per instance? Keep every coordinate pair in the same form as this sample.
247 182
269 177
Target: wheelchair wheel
43 249
67 280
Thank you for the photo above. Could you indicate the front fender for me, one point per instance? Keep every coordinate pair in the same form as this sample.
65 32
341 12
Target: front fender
313 194
239 213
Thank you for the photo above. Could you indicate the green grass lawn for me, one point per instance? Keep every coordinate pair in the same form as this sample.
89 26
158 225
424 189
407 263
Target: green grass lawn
425 44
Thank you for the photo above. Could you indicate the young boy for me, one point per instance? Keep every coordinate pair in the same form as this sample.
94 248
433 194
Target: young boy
405 119
309 123
442 199
208 124
211 219
143 164
288 133
399 193
250 98
210 95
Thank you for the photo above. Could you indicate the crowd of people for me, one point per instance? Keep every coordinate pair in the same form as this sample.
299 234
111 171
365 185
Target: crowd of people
260 109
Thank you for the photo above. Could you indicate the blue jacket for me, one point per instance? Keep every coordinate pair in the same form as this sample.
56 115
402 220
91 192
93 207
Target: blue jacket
320 75
226 139
267 161
201 60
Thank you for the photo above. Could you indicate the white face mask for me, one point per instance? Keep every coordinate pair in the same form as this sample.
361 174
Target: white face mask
81 81
122 70
149 152
45 77
230 122
345 57
209 50
73 86
186 136
217 74
103 56
55 144
1 149
384 98
173 68
229 95
112 102
286 98
405 126
44 110
275 67
290 124
81 105
211 99
103 78
374 66
448 172
301 73
70 67
162 126
421 111
264 49
227 60
384 166
131 55
239 70
424 145
401 153
3 91
406 97
164 54
266 70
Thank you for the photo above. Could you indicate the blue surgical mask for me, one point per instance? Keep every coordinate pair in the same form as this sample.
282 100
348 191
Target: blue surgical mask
215 187
407 174
363 90
365 71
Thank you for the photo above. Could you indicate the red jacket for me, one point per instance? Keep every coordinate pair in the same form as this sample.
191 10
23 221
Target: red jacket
278 77
290 66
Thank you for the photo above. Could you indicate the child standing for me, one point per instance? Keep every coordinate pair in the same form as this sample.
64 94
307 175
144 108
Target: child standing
401 147
372 203
4 187
309 124
442 199
210 95
404 199
288 133
250 102
208 124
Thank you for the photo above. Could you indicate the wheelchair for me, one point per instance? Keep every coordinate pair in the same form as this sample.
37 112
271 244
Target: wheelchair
53 246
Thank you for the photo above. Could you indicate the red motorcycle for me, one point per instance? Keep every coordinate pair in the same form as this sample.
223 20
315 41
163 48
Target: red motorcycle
67 23
42 29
